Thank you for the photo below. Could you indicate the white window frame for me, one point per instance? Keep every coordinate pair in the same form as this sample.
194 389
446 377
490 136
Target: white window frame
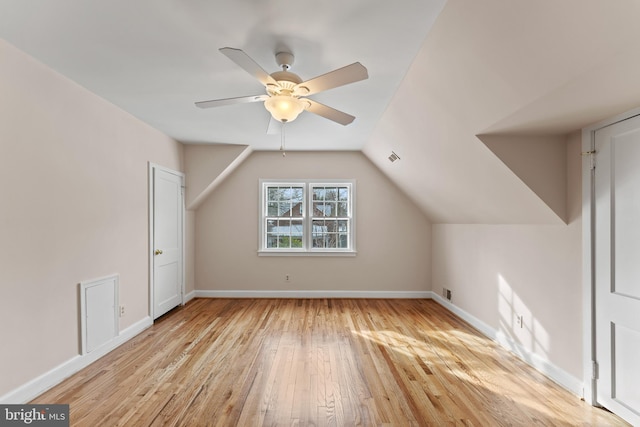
307 248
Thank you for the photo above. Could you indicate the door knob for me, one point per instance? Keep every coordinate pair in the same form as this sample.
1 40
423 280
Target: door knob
158 252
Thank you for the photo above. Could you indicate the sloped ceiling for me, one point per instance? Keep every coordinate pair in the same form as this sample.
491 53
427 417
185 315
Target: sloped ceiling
156 58
511 68
445 78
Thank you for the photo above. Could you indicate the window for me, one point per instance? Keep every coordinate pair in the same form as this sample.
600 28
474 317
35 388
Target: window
284 216
307 217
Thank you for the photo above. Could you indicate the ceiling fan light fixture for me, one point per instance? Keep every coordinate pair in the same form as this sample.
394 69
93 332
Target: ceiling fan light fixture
286 91
285 108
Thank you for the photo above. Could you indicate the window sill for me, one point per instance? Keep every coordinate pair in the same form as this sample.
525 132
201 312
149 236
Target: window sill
308 253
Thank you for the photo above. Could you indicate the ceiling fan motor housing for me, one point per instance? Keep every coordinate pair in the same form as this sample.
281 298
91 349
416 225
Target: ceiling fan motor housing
287 82
285 60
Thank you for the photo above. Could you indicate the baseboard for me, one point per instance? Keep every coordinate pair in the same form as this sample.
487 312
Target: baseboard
44 382
485 329
556 374
188 297
314 294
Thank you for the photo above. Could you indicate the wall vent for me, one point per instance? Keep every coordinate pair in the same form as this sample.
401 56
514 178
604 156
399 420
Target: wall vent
98 312
393 157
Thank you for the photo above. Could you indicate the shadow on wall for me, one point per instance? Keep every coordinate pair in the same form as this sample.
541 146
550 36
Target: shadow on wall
518 323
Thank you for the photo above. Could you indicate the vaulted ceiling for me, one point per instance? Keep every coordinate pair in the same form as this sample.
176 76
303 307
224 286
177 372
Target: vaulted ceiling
523 73
466 92
156 58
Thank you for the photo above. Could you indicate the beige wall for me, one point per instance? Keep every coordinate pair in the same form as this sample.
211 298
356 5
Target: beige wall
497 272
73 180
208 166
393 235
74 187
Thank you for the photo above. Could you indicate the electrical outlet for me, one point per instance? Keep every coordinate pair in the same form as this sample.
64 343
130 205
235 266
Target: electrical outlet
520 321
121 310
449 294
287 278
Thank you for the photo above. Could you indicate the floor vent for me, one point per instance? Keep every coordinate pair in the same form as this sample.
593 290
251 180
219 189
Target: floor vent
98 312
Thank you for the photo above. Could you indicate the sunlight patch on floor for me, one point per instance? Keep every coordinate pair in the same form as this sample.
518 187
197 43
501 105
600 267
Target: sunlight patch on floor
466 368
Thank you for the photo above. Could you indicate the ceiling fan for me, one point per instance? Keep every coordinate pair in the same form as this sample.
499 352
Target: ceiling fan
286 92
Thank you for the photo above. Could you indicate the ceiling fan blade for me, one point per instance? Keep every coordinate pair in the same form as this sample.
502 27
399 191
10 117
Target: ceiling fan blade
245 62
329 113
230 101
342 76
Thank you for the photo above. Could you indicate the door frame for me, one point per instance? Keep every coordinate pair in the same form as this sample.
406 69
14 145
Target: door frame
588 254
152 167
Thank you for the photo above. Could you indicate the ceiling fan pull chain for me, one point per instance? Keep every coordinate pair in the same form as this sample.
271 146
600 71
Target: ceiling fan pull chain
284 154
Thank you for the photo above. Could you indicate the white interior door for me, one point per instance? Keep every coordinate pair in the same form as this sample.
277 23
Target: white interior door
617 268
167 251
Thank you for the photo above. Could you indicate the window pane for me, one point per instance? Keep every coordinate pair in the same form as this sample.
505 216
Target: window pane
296 209
331 193
285 193
343 193
272 193
318 193
343 241
296 234
330 209
317 233
318 242
343 226
343 209
284 209
318 209
296 241
296 228
272 209
284 242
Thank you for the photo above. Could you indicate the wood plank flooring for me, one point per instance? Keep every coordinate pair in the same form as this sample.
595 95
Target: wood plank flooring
316 362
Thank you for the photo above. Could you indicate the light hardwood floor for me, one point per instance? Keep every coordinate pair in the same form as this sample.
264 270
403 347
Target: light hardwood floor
341 362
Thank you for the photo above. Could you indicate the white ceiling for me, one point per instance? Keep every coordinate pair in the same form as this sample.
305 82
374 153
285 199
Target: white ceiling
440 76
155 58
